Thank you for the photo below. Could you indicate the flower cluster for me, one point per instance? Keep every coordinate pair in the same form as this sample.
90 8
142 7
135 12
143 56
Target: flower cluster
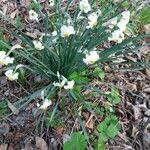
91 57
38 45
5 60
66 31
118 35
63 82
45 104
85 7
12 75
33 15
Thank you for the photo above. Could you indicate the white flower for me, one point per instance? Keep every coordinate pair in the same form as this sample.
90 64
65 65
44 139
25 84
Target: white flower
52 3
70 85
38 45
4 59
85 6
117 36
112 22
45 104
11 75
66 31
62 83
126 15
99 12
33 15
91 58
122 25
92 20
124 20
54 33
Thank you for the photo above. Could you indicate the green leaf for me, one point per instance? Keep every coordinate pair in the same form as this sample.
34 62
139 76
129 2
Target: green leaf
99 73
18 22
3 108
114 96
101 146
35 5
77 142
145 15
112 131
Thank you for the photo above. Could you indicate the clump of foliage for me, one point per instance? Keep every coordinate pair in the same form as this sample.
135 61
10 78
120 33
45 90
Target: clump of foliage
66 56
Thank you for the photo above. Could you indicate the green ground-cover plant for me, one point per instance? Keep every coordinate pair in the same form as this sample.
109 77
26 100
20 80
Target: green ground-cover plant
3 108
67 57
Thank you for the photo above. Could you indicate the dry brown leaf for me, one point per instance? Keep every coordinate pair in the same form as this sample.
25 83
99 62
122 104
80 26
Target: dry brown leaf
147 28
25 3
90 123
147 71
60 130
32 35
28 146
10 148
137 112
13 14
13 108
3 147
41 144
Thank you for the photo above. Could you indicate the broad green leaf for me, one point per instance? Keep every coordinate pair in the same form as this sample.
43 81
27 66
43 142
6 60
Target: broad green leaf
99 73
112 131
77 142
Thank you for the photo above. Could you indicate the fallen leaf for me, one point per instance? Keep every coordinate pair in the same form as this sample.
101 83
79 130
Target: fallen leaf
13 108
147 71
137 112
28 146
90 123
147 28
4 128
17 46
13 14
3 147
60 130
25 3
10 148
41 144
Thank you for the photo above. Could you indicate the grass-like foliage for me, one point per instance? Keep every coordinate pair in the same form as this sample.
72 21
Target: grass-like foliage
71 49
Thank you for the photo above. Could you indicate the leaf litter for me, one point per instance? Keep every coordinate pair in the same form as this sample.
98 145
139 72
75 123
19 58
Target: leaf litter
134 112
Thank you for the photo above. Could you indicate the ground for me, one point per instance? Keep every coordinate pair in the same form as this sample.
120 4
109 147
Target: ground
19 129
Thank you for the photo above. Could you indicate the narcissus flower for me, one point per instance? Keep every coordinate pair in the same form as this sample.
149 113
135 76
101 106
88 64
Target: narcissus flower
112 22
62 82
85 6
38 45
33 15
70 85
54 33
11 75
91 58
124 20
52 3
117 36
92 20
66 31
45 104
4 59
